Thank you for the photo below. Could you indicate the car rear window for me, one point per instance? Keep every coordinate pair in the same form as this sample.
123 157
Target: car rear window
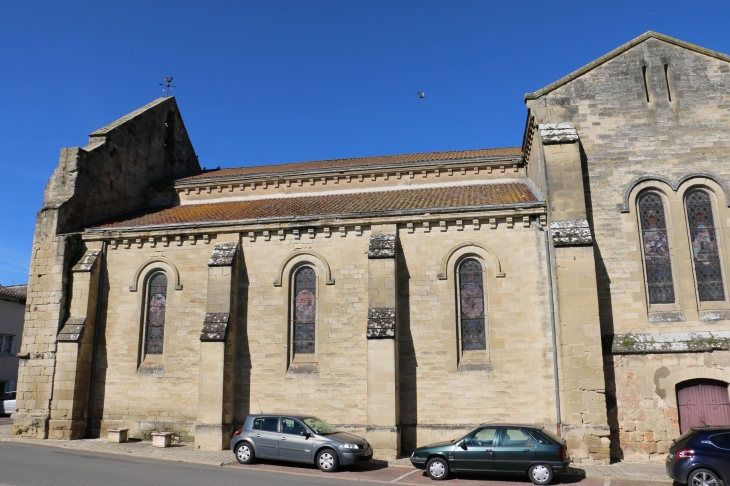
540 438
267 424
551 435
686 438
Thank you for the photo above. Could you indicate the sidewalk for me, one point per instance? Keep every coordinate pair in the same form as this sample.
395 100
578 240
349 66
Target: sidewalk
392 472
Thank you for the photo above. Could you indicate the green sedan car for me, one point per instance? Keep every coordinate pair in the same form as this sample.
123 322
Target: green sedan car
507 448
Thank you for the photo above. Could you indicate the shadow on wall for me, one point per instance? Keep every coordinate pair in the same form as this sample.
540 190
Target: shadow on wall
605 315
93 427
242 385
407 364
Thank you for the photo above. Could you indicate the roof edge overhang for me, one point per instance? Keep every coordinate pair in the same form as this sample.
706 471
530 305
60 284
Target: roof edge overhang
620 50
537 207
343 169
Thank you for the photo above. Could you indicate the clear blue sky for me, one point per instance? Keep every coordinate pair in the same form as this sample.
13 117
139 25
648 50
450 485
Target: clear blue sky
281 81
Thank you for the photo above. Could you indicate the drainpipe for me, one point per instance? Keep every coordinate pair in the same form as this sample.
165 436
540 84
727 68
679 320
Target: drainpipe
552 323
97 331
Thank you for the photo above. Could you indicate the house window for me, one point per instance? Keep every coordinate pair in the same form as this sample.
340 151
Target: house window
471 305
304 310
705 251
655 242
6 344
156 308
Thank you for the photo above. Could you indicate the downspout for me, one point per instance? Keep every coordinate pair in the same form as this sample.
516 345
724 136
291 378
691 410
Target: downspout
97 332
552 323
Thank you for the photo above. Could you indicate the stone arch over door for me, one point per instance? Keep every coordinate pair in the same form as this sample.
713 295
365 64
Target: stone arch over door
702 403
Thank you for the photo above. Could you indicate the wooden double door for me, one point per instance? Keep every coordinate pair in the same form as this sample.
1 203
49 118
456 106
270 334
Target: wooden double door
702 403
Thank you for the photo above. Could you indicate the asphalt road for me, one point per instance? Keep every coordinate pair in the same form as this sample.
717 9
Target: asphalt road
27 464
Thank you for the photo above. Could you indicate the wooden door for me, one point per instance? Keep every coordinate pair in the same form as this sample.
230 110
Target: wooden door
702 403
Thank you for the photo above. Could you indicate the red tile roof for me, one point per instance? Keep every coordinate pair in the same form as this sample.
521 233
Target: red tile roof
357 162
15 293
352 204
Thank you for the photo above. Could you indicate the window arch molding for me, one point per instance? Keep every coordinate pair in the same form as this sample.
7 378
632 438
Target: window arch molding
297 257
149 267
644 180
458 252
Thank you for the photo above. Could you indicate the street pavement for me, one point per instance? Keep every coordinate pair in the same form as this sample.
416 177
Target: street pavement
38 465
96 461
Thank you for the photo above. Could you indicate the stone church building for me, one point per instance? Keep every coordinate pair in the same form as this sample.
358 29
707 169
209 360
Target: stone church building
579 281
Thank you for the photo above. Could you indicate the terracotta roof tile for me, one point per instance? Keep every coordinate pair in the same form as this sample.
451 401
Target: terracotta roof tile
15 293
356 162
353 204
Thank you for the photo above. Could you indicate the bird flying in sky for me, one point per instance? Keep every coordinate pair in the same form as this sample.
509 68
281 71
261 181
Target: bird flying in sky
421 94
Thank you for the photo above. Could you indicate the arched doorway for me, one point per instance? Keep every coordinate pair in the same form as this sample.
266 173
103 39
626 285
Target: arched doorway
702 403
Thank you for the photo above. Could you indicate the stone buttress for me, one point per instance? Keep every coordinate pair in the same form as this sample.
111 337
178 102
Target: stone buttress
382 392
217 351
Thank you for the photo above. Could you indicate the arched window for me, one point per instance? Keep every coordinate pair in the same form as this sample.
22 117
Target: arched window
304 310
655 242
156 308
705 252
471 305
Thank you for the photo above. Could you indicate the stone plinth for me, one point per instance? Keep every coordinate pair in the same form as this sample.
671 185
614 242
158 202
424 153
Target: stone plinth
117 436
161 439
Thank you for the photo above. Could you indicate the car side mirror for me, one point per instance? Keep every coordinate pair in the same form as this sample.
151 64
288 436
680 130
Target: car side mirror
306 434
462 444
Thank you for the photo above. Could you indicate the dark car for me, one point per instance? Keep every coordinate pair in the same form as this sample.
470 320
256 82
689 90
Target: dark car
494 448
701 457
298 438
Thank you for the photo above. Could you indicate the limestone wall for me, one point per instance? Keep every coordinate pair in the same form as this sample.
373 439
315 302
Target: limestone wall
626 140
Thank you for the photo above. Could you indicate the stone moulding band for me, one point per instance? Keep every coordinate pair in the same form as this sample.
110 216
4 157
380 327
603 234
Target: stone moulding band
280 273
215 327
571 232
624 207
443 275
223 255
381 323
172 267
382 245
73 330
670 342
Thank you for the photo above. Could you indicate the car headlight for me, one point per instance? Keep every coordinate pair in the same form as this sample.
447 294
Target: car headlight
349 446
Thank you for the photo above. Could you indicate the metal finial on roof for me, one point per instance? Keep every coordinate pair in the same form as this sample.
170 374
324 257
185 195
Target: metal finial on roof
166 86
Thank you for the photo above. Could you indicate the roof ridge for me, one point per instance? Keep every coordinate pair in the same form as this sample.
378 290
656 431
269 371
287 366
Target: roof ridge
620 50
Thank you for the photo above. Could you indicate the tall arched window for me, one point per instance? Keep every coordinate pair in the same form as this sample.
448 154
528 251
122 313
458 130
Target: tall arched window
304 310
657 259
705 252
156 308
471 305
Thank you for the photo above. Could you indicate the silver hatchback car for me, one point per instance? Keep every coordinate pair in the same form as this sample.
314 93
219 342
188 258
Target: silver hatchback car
299 438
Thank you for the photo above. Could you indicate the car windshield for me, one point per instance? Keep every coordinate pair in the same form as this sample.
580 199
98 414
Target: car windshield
319 426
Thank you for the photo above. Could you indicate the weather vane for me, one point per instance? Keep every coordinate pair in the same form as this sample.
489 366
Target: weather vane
166 86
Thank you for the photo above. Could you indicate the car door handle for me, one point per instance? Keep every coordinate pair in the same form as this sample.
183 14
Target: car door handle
258 435
525 450
489 450
282 438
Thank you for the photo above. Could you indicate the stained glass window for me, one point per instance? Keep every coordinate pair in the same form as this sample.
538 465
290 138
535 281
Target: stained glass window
471 300
305 310
705 253
657 260
156 308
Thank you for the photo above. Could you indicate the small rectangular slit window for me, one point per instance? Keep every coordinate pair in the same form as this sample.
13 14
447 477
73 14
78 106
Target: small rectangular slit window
646 84
666 78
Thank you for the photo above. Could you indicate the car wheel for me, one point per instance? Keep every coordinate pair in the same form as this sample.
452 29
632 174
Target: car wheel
541 474
437 468
703 477
327 460
244 453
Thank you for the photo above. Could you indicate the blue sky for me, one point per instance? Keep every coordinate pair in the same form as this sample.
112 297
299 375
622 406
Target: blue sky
281 81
